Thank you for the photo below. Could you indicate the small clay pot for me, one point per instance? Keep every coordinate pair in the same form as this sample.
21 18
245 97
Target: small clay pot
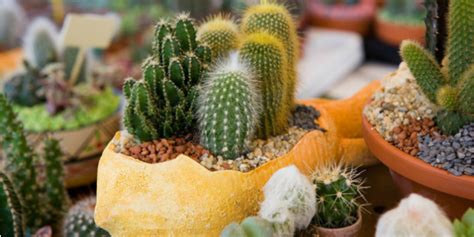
455 194
394 33
348 231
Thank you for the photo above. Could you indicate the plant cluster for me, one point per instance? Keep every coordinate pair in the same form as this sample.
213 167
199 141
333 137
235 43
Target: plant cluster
403 11
450 85
465 226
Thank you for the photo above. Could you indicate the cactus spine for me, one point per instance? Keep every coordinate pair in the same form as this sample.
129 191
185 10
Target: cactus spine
267 57
228 109
221 34
80 220
162 104
338 192
451 87
40 44
11 221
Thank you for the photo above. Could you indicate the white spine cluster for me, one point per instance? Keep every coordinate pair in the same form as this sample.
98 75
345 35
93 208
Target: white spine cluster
40 25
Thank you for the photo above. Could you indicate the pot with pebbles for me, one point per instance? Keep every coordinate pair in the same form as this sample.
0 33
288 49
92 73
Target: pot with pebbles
421 125
206 128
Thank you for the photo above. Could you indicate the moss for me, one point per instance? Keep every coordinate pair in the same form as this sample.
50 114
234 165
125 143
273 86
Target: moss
37 118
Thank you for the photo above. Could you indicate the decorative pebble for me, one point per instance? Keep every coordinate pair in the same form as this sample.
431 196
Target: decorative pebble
405 137
305 117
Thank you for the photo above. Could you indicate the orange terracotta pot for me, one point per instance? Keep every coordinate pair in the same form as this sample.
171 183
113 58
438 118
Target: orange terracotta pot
348 231
180 197
10 60
455 194
393 33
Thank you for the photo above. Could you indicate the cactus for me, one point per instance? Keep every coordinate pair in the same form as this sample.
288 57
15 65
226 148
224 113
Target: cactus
267 58
228 109
403 12
162 104
12 24
250 227
465 226
221 34
40 46
69 59
24 87
450 86
414 216
436 27
11 221
275 19
338 192
80 220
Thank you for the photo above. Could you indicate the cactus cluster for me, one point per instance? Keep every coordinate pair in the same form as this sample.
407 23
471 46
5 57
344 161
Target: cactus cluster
162 105
24 87
221 34
80 222
465 226
12 24
451 85
403 11
11 221
338 194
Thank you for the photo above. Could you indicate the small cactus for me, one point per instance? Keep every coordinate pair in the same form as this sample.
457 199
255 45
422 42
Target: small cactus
465 226
338 193
80 222
40 43
12 24
228 109
267 57
11 221
250 227
221 34
414 216
24 87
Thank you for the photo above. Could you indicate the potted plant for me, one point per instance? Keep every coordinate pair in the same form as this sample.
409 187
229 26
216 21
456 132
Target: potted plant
81 113
12 18
339 197
420 123
199 115
349 15
399 20
32 191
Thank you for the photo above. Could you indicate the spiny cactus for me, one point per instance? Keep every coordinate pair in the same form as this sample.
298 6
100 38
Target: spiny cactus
24 87
436 27
250 227
40 46
221 34
452 86
275 19
465 226
80 222
228 109
11 221
162 104
12 24
338 193
267 58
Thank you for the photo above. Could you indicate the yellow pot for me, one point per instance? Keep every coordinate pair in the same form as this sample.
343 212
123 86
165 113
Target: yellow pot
182 198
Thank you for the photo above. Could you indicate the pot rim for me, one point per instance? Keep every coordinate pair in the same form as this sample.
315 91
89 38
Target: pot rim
414 168
345 228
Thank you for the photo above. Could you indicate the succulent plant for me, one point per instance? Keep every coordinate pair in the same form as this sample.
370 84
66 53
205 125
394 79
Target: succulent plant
221 34
228 109
452 85
11 221
250 227
12 24
40 43
403 11
80 220
162 105
465 226
414 216
338 194
24 87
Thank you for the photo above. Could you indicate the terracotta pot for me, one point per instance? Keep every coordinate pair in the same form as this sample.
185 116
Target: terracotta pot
453 193
348 231
356 18
394 33
180 197
10 60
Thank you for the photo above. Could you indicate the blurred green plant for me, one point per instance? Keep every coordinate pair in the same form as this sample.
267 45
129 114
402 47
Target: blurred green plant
407 12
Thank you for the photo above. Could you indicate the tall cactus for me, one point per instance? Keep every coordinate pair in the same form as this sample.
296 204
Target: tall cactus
40 46
267 57
162 104
79 221
228 109
451 87
221 34
11 221
275 19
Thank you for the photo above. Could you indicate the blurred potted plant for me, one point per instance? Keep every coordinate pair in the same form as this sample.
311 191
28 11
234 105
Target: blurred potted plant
399 20
12 25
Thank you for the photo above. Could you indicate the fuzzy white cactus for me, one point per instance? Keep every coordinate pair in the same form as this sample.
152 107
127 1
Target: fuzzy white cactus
40 43
415 216
12 23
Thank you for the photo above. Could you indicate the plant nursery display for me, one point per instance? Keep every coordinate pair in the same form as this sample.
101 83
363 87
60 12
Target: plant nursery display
421 123
32 192
216 105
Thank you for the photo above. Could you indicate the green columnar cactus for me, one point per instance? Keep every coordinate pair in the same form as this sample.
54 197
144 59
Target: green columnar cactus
11 221
221 34
23 87
228 109
162 104
40 46
451 87
69 59
80 222
275 19
338 191
267 58
465 226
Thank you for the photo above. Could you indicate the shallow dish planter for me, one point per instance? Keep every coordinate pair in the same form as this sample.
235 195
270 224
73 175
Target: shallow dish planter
394 33
348 231
181 197
455 194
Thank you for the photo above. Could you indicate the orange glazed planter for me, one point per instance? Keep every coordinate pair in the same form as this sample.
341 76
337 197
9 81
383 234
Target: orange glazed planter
182 198
10 60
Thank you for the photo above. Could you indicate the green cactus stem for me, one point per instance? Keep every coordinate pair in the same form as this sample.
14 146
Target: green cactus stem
465 226
80 222
221 34
250 227
435 22
40 46
11 221
466 92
